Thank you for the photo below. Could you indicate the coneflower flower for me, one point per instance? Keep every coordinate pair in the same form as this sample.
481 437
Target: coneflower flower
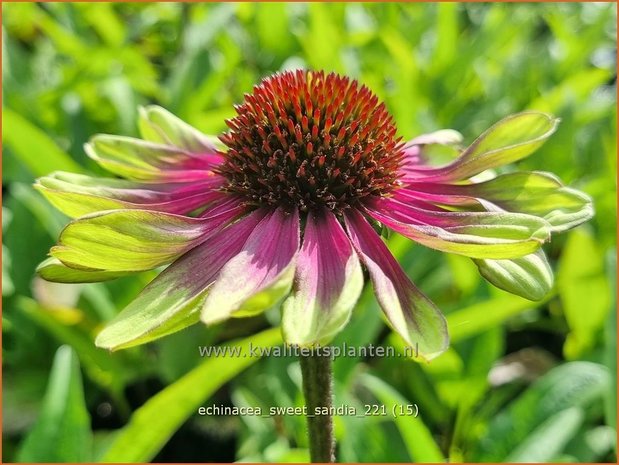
287 205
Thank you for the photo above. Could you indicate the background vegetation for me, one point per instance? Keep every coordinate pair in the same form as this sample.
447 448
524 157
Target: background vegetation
523 381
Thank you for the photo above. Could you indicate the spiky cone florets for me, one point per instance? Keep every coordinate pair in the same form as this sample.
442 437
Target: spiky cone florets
308 139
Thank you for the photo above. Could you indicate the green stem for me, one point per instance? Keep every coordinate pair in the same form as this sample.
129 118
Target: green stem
318 391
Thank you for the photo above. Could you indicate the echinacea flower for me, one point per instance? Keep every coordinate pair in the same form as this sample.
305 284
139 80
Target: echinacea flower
287 208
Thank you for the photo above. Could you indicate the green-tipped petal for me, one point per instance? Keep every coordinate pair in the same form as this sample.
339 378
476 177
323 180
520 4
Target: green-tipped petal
327 284
160 126
172 301
529 276
511 139
494 235
261 274
409 312
129 240
147 161
78 195
537 193
440 137
74 199
531 192
55 271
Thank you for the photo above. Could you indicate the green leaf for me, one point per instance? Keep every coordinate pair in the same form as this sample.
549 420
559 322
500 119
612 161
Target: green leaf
572 385
610 347
62 431
479 317
154 423
584 291
33 147
418 439
480 355
549 439
105 370
529 276
7 283
592 444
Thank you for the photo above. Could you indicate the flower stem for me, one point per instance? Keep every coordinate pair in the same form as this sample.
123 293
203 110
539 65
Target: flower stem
318 391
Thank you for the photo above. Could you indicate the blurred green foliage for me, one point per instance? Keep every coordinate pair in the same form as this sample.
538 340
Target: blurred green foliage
523 381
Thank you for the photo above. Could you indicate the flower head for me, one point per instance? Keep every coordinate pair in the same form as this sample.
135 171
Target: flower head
311 141
284 208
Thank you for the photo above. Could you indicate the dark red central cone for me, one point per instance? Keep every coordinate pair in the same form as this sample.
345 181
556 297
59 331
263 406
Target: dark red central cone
305 139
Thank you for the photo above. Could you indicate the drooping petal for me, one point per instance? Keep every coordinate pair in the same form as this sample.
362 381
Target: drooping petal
172 301
133 240
509 140
327 284
260 274
409 312
529 276
77 195
495 235
147 161
55 271
160 126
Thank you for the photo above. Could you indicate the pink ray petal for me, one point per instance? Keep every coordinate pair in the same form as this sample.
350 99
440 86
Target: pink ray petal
495 235
148 161
172 301
78 195
511 139
261 274
409 312
327 284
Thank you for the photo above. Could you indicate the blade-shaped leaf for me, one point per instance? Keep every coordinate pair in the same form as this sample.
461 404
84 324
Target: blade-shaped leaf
584 290
152 425
29 143
549 439
62 432
575 384
416 436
